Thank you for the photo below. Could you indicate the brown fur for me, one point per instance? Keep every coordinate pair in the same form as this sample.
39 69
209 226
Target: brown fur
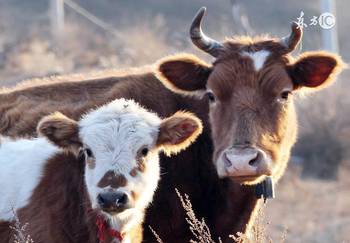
133 172
141 166
60 130
58 209
243 114
178 132
246 111
112 179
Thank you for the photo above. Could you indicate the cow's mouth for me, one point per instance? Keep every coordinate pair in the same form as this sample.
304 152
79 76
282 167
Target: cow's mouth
112 211
249 179
115 210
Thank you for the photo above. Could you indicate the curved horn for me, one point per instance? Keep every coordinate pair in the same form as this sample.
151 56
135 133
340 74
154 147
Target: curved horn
291 41
198 38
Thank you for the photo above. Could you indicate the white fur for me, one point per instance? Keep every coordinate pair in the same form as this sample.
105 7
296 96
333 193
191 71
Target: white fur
258 58
115 133
21 166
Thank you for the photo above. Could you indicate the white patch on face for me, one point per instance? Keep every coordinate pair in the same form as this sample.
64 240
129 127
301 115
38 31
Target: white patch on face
115 133
258 58
21 166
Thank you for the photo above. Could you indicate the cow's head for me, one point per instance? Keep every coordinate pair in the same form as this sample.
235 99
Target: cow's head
250 87
120 142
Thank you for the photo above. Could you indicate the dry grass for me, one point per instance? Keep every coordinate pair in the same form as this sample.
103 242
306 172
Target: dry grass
201 232
159 240
259 231
198 227
20 235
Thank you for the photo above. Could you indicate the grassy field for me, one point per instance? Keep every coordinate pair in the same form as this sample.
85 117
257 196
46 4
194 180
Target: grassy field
310 210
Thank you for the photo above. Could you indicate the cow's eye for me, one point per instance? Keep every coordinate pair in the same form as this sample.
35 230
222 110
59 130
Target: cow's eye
286 94
144 152
88 153
211 96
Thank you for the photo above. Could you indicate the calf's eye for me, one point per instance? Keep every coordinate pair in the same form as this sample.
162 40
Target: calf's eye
211 96
144 152
88 153
285 95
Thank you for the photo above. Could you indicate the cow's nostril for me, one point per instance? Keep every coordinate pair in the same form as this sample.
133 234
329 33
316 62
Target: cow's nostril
100 200
227 161
122 199
113 200
255 161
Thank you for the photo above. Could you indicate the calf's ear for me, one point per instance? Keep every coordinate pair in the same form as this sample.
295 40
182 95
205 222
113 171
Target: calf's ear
60 130
178 132
184 74
315 70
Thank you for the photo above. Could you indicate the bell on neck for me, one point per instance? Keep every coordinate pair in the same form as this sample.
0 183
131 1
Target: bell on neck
265 189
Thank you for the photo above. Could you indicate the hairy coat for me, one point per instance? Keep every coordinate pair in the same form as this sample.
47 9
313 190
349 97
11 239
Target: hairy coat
250 119
121 140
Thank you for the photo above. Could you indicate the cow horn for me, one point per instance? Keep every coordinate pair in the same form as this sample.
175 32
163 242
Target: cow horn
198 38
291 41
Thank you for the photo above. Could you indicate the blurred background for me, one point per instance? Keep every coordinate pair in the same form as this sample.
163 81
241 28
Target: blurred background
45 37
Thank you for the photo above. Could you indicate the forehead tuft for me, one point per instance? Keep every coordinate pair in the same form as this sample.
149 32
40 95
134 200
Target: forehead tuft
258 58
120 111
254 44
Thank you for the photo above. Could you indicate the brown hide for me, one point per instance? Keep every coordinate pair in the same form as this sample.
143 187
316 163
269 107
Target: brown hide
225 205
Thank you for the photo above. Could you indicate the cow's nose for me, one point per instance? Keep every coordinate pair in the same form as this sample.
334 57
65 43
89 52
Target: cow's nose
246 161
113 201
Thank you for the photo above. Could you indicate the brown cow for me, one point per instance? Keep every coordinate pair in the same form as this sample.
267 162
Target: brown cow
102 195
250 88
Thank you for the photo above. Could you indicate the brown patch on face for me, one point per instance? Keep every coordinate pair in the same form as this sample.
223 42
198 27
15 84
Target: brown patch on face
141 166
133 172
113 180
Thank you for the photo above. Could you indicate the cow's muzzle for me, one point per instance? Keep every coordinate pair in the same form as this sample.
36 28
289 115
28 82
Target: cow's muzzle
245 163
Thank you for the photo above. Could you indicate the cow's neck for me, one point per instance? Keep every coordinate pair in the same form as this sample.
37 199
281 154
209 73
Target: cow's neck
238 201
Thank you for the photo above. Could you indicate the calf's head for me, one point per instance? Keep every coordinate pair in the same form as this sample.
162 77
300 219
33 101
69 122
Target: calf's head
250 88
120 142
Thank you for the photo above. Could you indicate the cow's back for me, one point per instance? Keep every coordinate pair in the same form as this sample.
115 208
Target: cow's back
22 108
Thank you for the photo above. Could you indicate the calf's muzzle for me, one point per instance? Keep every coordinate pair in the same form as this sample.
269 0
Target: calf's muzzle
113 201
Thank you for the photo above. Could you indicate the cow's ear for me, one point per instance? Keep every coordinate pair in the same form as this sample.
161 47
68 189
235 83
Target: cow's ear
184 74
60 130
315 70
178 132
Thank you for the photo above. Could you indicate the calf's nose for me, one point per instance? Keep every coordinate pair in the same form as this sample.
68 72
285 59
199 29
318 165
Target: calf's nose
113 201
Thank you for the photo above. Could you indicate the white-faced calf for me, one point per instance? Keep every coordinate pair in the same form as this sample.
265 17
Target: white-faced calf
117 146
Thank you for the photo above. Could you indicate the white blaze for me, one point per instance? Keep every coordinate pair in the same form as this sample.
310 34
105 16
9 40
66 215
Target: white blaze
258 58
